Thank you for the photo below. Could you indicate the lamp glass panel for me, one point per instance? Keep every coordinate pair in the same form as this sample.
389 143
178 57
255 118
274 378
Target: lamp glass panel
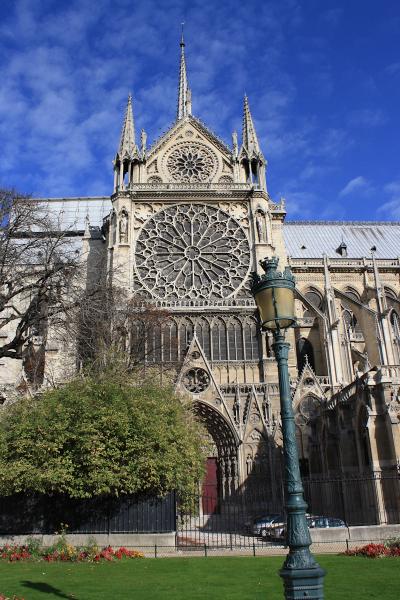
279 313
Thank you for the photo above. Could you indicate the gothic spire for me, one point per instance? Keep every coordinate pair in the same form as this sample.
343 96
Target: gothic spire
184 93
127 145
250 143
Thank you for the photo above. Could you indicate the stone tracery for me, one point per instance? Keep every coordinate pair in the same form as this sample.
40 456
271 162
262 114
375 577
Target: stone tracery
192 250
191 162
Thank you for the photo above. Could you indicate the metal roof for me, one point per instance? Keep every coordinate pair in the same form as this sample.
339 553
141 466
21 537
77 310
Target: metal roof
311 239
71 212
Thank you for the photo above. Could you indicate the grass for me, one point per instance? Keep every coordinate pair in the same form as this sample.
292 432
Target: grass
218 578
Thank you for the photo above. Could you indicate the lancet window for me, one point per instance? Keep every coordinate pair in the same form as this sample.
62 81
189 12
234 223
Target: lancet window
221 338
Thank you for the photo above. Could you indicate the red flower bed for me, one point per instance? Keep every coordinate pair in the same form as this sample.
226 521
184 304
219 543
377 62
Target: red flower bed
375 550
67 553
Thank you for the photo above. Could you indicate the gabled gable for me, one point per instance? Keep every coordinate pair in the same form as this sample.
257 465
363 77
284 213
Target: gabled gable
188 135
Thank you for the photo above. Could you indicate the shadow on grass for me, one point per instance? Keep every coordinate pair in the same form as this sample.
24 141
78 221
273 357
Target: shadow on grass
47 589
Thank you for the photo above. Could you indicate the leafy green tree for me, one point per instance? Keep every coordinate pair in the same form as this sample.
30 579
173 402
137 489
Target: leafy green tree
98 436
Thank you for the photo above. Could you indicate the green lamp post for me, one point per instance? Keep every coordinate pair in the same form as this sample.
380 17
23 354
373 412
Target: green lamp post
274 296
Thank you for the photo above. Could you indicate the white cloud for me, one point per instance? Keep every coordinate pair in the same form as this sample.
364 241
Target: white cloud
358 184
391 208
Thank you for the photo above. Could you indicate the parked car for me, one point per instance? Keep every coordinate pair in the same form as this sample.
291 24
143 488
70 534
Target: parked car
257 525
314 522
324 522
273 525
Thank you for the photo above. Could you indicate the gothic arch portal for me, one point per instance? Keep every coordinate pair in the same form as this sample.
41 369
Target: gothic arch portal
224 447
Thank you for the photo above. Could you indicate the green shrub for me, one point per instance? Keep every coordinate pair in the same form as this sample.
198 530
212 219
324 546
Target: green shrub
101 436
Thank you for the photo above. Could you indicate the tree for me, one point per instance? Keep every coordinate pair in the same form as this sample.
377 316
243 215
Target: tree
101 436
38 263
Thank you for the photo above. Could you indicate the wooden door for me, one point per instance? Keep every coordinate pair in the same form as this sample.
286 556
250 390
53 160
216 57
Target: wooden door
210 487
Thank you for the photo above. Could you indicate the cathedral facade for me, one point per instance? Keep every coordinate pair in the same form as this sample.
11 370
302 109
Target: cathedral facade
189 219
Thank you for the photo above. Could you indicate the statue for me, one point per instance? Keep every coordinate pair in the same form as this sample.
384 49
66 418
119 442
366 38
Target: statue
260 226
123 228
235 143
143 141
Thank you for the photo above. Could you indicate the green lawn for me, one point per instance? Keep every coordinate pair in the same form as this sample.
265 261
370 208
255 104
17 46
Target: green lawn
236 578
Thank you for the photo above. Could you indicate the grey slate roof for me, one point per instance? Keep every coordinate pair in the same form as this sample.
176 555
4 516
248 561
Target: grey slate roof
71 212
311 239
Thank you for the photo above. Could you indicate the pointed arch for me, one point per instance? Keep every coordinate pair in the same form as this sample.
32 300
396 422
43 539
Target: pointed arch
251 349
203 332
219 346
395 327
315 298
235 339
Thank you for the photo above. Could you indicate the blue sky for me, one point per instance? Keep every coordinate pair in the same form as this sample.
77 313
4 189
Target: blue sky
323 80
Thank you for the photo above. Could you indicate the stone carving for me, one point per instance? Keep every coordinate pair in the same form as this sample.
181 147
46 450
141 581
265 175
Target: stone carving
123 227
196 380
191 162
260 226
192 251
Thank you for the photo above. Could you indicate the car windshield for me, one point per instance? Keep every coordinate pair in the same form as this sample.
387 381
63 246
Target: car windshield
267 518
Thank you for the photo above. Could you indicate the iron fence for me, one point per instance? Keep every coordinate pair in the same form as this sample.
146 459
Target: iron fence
37 514
231 521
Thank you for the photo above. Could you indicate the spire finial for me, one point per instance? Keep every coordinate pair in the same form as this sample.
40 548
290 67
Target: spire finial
184 96
249 137
127 145
182 44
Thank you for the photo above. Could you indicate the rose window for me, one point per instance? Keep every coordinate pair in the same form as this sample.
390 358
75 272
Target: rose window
192 251
196 380
191 163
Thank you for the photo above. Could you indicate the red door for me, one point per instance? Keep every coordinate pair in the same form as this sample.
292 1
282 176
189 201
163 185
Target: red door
210 487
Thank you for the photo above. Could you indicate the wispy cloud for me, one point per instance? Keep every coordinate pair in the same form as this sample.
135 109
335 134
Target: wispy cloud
359 184
391 208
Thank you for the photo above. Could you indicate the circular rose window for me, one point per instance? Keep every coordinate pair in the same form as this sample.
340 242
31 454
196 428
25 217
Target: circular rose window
192 251
191 162
196 380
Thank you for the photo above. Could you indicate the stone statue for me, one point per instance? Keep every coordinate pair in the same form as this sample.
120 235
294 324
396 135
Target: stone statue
123 228
235 143
260 226
143 141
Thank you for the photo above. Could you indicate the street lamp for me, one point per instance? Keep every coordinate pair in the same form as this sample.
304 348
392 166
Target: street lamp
274 296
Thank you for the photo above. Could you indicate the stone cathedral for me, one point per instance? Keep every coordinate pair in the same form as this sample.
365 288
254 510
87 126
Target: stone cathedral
189 219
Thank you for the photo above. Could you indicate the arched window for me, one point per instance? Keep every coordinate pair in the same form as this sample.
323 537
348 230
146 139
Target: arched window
251 341
185 336
204 335
391 297
353 294
235 340
219 342
170 342
395 324
315 299
351 324
305 353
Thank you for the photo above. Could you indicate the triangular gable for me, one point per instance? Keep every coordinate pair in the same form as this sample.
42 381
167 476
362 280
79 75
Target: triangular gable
254 418
198 126
307 384
196 359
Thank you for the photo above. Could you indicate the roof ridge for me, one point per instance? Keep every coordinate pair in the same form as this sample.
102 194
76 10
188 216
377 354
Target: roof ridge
321 222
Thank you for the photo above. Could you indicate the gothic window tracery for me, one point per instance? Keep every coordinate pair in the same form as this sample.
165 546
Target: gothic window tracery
191 162
192 251
315 299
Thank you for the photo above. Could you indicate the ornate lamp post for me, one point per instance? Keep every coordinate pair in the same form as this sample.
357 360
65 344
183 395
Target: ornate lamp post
274 296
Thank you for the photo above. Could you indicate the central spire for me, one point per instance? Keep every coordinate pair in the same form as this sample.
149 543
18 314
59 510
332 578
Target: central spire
184 93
